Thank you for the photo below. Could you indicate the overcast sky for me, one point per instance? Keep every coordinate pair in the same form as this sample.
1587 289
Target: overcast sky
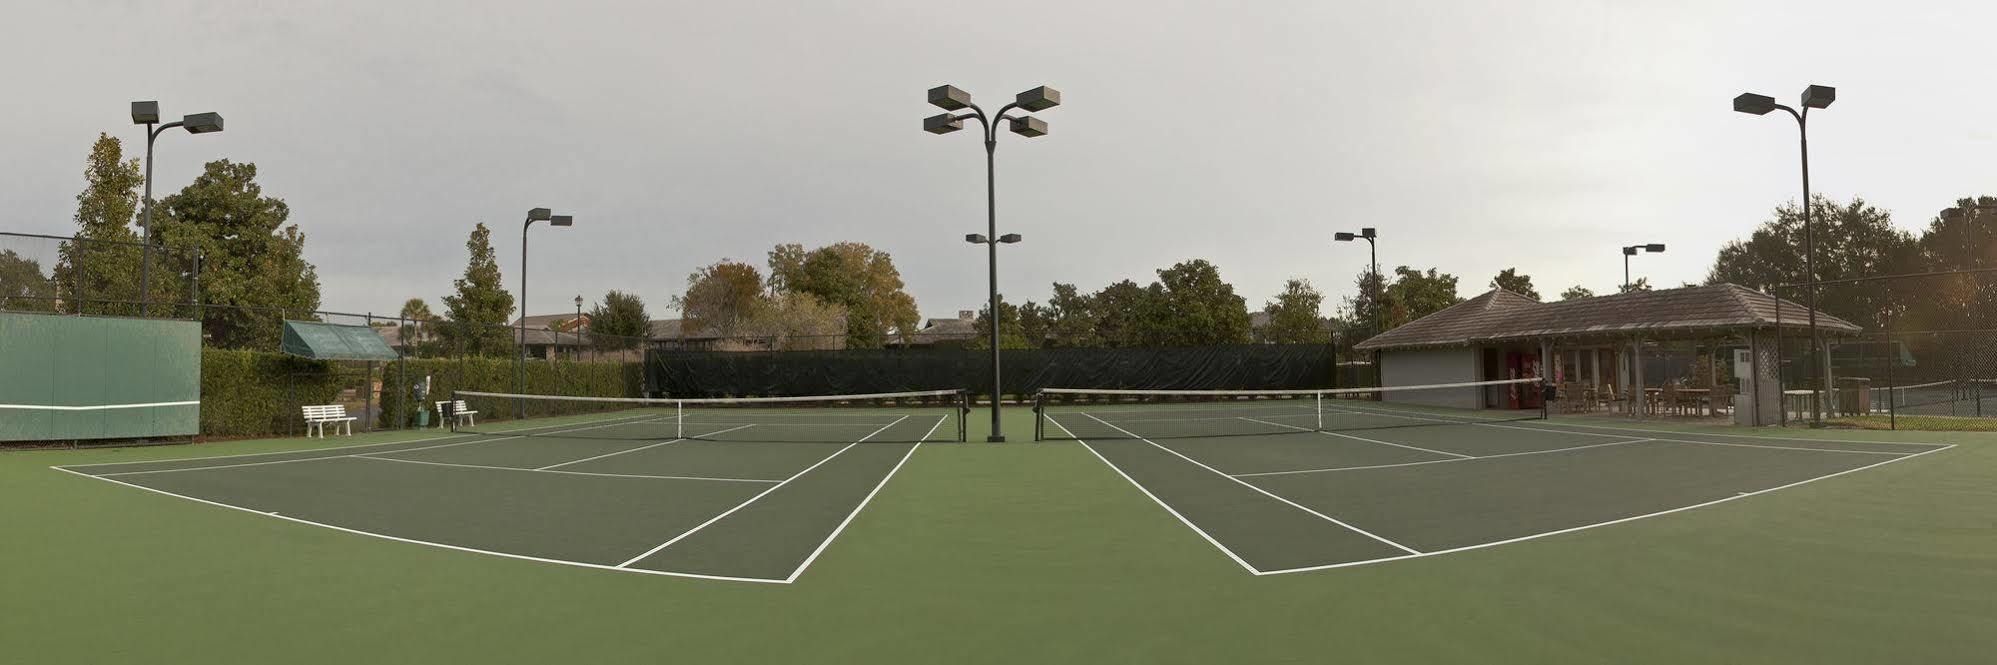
1475 135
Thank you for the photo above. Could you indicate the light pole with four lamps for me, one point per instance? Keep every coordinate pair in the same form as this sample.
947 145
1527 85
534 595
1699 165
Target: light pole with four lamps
1654 248
147 113
1814 97
535 215
949 98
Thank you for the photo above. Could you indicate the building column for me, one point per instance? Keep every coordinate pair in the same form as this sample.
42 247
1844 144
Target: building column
1638 399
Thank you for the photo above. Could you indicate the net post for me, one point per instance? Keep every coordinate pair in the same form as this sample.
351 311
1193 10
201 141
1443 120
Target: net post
450 411
1039 416
963 411
679 419
1320 409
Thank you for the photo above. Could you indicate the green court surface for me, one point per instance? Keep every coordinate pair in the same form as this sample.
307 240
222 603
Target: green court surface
1777 545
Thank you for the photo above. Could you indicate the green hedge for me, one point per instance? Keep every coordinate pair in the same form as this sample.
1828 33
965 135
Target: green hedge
257 393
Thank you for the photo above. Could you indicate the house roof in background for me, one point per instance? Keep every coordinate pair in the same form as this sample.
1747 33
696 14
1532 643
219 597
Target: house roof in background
1499 315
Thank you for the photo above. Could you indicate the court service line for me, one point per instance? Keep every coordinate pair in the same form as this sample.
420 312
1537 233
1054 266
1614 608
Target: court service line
863 503
412 541
1359 438
1620 520
475 439
1438 461
1264 492
1811 450
633 450
1560 423
759 495
571 473
1161 502
326 448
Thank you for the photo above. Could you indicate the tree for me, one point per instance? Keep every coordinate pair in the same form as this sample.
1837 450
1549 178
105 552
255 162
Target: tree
481 308
1126 314
720 298
792 321
417 314
1200 308
1509 279
1011 334
1960 238
1852 240
1070 316
619 322
1641 284
1036 323
105 258
1576 292
1415 294
23 285
855 277
1294 317
1367 309
253 261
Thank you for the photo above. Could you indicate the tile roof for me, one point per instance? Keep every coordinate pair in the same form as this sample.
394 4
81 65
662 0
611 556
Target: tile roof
1501 315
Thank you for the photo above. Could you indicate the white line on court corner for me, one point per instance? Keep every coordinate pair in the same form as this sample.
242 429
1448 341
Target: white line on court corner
1360 438
571 473
1264 492
476 438
758 495
1438 461
1508 541
327 449
412 541
633 450
863 503
1161 502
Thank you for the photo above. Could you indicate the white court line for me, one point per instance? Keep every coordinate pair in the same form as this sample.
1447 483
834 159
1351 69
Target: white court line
1359 438
476 438
1161 502
758 495
95 407
1508 541
863 503
320 449
571 473
633 450
1562 423
413 541
1264 492
1437 461
1811 450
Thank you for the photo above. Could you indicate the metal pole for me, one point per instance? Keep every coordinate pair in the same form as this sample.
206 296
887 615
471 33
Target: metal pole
1625 270
1379 291
520 360
146 226
991 246
367 388
1817 355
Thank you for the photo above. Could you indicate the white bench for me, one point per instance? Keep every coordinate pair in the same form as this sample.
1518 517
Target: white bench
319 416
457 408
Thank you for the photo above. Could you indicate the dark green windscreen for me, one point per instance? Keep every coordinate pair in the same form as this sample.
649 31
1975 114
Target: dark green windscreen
86 377
328 341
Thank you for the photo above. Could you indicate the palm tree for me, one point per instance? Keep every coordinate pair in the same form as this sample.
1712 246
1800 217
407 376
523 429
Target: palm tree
417 313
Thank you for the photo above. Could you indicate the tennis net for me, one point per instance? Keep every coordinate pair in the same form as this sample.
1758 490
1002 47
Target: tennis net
931 415
1071 413
1953 397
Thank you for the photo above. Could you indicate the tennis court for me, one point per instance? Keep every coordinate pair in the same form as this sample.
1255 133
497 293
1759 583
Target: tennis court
1290 482
746 489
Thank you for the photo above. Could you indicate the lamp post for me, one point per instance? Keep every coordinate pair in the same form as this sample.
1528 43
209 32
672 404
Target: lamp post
1654 248
1373 261
147 113
577 326
1814 97
535 215
949 98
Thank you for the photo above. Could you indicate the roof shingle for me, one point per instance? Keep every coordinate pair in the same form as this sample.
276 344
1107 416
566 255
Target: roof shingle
1500 315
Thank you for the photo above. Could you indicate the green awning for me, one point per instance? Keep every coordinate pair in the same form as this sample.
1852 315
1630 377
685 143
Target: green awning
328 341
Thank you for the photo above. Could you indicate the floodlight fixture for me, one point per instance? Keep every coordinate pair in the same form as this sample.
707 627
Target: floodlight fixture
1342 236
145 113
949 98
202 123
1037 99
539 214
942 123
1749 102
1654 247
562 220
976 238
1029 126
1819 96
1009 238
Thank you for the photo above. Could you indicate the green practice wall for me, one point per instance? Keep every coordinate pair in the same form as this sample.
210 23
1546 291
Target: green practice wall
97 362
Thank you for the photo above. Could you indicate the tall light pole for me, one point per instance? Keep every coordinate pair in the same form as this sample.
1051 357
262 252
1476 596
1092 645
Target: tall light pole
1814 97
576 326
147 113
1654 248
535 215
949 98
1372 260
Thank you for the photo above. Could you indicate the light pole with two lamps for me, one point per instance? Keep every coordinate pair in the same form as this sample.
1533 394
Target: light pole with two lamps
1814 97
147 113
1654 248
949 98
535 215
